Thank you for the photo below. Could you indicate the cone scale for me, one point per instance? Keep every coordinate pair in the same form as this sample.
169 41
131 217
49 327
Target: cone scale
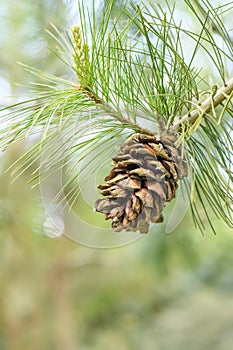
144 177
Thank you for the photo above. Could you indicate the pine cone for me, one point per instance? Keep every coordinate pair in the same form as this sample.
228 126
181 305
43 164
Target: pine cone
144 177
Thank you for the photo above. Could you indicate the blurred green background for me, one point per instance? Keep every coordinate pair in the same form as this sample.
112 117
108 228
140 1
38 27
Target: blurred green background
164 291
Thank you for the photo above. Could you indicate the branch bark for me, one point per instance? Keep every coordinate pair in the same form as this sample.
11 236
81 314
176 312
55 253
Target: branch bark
206 105
126 121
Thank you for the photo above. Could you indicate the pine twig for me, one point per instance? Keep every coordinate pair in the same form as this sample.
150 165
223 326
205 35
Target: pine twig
126 121
216 99
206 106
111 111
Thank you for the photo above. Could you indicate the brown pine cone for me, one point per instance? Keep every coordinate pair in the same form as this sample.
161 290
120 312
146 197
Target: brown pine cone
144 177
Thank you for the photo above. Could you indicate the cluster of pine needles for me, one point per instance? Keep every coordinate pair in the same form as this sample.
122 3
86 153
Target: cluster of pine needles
129 74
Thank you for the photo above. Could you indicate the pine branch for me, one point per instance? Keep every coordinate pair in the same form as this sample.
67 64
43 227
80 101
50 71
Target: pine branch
131 72
225 92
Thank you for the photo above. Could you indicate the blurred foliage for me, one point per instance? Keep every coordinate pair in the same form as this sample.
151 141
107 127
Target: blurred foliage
165 291
55 293
23 37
